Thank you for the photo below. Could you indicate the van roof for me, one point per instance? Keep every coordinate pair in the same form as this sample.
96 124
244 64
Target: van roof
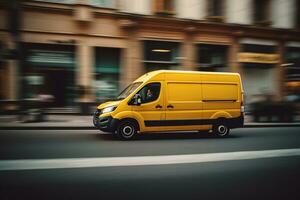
185 71
157 72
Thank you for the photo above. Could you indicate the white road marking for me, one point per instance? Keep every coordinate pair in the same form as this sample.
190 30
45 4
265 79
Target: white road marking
63 163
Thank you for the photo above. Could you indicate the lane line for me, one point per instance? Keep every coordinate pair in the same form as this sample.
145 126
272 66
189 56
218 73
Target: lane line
64 163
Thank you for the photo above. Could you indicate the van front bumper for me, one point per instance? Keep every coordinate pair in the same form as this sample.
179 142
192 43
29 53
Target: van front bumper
106 124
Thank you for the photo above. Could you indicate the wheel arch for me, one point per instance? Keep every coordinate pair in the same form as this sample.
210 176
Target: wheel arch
130 115
221 115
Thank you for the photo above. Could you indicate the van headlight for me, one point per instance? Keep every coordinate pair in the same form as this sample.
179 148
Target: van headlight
109 109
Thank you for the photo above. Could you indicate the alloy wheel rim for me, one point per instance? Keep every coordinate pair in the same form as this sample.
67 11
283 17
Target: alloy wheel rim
222 130
127 131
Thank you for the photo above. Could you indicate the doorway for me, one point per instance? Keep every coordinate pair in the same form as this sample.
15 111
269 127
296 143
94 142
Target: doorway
57 83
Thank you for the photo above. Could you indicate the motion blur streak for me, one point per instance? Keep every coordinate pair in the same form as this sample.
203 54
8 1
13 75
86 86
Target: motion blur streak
31 164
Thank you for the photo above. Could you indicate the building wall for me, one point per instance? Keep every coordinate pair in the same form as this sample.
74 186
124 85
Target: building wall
47 22
283 13
136 6
191 9
238 12
9 78
98 27
259 81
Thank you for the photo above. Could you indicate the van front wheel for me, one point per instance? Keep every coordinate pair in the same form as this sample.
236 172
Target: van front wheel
126 130
221 129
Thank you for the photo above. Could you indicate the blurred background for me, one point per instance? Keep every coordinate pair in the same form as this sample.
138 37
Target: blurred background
74 54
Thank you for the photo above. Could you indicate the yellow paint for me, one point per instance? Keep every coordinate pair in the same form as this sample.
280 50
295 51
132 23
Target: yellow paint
293 84
264 58
193 95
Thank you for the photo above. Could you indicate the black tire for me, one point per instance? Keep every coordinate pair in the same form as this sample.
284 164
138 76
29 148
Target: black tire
95 120
127 130
221 129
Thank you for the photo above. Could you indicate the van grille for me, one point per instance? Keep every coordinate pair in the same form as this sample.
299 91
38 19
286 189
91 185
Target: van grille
98 112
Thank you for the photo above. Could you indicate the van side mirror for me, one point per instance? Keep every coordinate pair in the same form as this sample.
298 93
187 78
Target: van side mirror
137 100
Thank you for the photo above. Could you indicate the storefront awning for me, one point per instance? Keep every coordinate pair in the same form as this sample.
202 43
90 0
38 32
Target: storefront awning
258 42
51 58
108 70
264 58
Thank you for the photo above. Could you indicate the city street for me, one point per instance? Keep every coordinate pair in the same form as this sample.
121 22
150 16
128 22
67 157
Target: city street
130 66
258 163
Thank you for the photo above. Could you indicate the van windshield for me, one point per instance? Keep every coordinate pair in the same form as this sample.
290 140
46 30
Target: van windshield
128 90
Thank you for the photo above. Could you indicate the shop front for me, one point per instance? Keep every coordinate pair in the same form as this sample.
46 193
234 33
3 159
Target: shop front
291 68
2 72
49 69
107 73
258 60
3 80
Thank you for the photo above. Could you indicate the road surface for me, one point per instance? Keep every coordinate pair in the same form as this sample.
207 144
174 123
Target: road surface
252 163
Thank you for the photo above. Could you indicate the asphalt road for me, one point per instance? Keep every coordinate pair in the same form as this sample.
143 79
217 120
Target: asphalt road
274 177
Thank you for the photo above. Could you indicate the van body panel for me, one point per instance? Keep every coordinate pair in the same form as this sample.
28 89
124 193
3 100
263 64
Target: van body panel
109 103
221 92
183 100
123 115
187 77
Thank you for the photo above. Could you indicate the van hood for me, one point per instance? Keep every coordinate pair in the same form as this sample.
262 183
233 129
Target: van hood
109 103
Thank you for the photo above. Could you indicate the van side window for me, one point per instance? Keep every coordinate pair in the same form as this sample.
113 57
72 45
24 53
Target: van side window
150 92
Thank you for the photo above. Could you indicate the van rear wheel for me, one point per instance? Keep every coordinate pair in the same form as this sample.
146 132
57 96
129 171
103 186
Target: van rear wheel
126 130
221 129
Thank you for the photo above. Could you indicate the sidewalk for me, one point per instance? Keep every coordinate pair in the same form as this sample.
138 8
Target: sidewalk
53 122
69 122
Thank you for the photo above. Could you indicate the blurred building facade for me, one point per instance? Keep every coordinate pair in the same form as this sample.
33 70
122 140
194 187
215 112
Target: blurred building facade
103 45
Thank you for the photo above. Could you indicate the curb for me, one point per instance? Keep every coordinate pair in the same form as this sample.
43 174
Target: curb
94 128
270 125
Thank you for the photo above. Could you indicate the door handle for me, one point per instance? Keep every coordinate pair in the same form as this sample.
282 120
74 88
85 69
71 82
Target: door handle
158 106
170 106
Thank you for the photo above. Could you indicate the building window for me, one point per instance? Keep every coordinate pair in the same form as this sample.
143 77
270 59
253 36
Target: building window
215 10
164 6
261 12
58 1
292 66
215 7
104 3
50 69
297 15
160 55
107 73
212 57
255 48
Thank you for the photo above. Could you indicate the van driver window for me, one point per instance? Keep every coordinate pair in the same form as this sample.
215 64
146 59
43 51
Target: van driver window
150 92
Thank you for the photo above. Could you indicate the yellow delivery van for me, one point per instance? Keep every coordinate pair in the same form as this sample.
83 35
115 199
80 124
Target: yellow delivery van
169 100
